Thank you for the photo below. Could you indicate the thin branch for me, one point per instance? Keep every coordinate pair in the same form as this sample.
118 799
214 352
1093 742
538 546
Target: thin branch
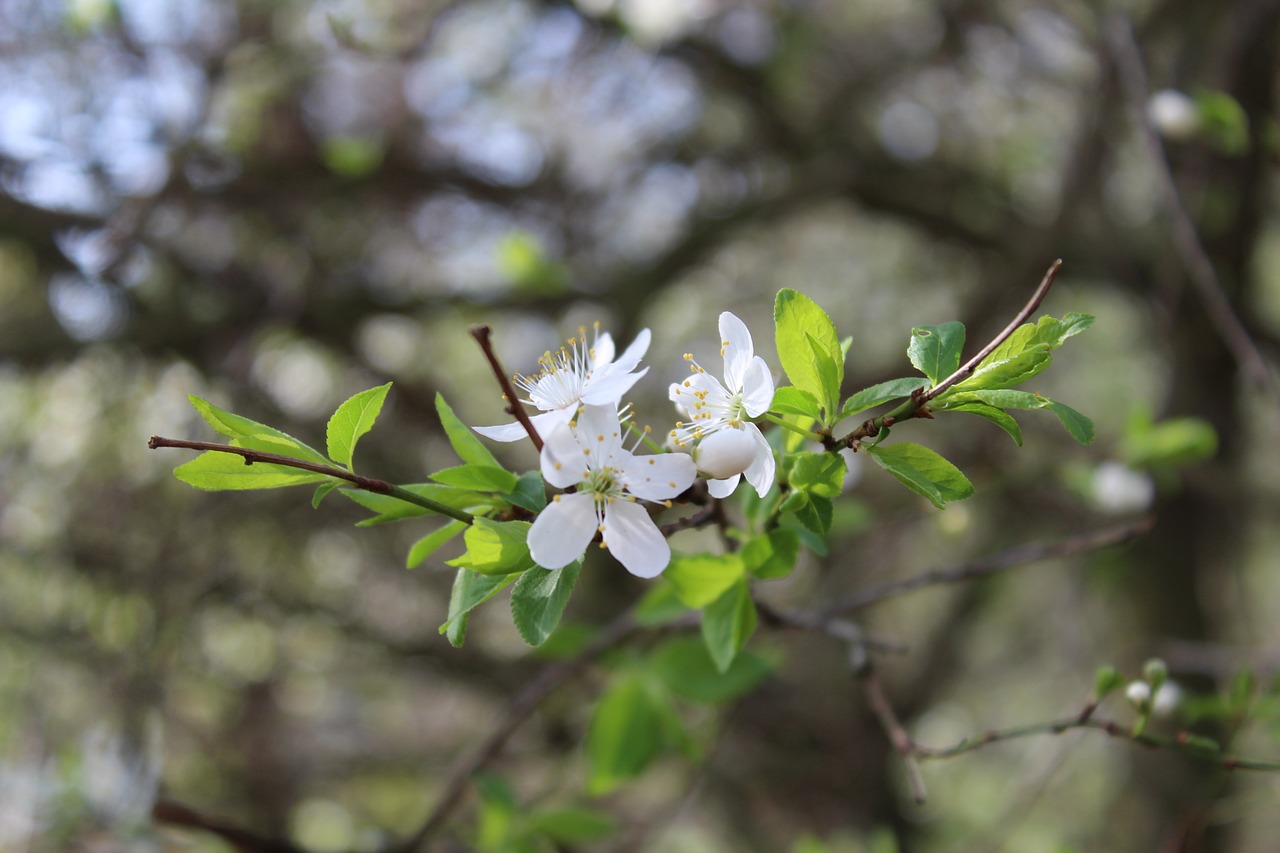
173 813
1127 56
966 369
1020 555
483 336
368 484
894 730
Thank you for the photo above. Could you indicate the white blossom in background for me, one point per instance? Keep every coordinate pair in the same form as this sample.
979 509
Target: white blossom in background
1173 114
1166 701
724 442
1118 489
580 374
608 481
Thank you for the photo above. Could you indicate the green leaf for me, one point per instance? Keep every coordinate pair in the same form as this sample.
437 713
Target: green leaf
574 826
538 600
686 667
935 350
700 579
1080 426
391 508
1169 443
496 547
353 419
478 478
813 511
1007 372
529 493
659 606
883 392
470 590
253 435
1009 399
215 471
808 347
727 624
465 443
772 554
429 544
999 417
923 471
790 400
818 473
626 733
322 490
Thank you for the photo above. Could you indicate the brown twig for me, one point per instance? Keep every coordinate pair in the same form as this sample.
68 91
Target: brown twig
173 813
368 484
894 730
1020 555
483 336
966 369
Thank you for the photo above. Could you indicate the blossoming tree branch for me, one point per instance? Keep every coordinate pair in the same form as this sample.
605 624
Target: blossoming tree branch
602 478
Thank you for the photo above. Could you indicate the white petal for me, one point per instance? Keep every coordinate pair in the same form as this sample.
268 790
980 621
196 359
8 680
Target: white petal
634 540
562 460
738 350
562 531
723 488
599 430
725 453
660 476
760 472
757 390
605 388
603 350
503 432
631 355
696 389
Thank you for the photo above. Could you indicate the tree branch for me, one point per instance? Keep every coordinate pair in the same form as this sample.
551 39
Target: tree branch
483 336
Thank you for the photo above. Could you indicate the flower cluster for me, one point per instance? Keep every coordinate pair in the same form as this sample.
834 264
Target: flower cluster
579 391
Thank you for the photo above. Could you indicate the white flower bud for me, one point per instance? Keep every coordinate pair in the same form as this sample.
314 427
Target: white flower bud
1139 694
1118 489
725 453
1167 699
1173 114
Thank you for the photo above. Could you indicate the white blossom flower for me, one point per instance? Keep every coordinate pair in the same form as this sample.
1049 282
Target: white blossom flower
579 374
714 408
608 480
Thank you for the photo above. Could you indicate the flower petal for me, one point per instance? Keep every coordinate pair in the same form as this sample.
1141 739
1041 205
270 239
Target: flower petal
562 461
563 530
503 432
634 540
725 453
757 388
606 387
760 472
723 488
631 355
735 341
660 476
603 351
600 432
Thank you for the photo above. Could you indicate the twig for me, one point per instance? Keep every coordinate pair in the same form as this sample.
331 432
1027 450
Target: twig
176 814
915 406
893 729
1190 250
483 336
368 484
520 709
1020 555
966 369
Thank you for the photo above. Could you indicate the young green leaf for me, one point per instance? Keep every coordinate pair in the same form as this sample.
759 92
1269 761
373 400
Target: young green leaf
1006 373
470 590
215 472
391 508
686 668
253 435
818 473
354 418
727 624
935 350
529 493
626 733
790 400
999 417
808 347
465 444
479 478
1080 426
700 579
496 547
815 512
538 600
772 554
923 471
883 392
429 544
321 491
572 827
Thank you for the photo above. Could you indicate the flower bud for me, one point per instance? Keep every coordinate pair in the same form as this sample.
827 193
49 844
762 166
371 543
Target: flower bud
725 453
1155 671
1166 701
1139 695
1173 114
